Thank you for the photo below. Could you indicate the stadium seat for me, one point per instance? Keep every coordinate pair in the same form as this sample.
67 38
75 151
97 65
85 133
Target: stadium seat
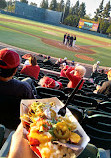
52 76
83 102
61 77
6 146
101 97
105 107
86 89
2 132
44 92
67 91
98 128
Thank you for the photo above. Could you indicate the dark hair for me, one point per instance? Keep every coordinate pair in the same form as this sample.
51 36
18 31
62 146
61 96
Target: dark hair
33 61
7 72
48 57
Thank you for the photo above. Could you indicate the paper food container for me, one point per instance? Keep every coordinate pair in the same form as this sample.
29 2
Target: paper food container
85 139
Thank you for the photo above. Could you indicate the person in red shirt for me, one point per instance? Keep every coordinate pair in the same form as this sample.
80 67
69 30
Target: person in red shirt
31 70
63 70
50 83
75 76
65 67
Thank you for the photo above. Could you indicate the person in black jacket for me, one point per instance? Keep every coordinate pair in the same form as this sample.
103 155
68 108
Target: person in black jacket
68 39
64 37
71 41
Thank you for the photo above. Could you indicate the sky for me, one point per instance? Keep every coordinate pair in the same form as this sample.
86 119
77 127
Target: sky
91 5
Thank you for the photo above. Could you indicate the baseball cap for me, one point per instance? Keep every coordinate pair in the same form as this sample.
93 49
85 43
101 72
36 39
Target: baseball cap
9 58
64 64
65 58
98 62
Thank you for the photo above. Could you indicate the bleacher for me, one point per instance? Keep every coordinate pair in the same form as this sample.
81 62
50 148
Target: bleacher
92 111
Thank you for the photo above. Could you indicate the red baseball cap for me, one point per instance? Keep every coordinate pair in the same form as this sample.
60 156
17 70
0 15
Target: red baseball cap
47 82
9 58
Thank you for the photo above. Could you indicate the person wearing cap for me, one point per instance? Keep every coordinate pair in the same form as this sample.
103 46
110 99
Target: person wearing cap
96 67
64 68
31 70
72 64
47 61
76 76
58 62
9 62
106 86
65 61
50 83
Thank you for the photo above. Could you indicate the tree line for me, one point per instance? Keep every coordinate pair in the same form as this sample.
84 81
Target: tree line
71 14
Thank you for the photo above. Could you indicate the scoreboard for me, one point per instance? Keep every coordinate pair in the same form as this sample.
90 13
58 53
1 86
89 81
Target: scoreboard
88 24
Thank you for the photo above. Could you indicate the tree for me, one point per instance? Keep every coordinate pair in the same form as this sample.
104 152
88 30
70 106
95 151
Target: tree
103 26
101 9
75 9
67 8
106 12
82 10
109 30
3 4
88 17
47 4
33 4
72 20
24 1
61 6
98 12
43 4
11 6
53 5
96 16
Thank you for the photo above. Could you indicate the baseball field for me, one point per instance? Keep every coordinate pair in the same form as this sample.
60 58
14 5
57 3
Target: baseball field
47 39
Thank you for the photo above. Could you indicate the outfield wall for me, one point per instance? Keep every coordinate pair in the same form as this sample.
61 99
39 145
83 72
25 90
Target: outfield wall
39 14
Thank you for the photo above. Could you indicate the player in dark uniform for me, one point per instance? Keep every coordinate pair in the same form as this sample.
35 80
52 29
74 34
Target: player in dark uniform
64 38
71 41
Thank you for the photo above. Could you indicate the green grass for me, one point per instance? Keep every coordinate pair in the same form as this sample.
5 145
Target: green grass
29 42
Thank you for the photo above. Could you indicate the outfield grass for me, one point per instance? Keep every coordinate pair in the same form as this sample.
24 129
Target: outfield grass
29 42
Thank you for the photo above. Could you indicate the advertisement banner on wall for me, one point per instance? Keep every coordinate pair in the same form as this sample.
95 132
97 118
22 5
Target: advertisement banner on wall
88 24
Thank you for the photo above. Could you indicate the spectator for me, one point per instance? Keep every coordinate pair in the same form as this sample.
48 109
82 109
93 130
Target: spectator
65 61
58 62
72 64
31 70
9 62
47 61
106 86
26 56
96 67
50 83
65 67
75 77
